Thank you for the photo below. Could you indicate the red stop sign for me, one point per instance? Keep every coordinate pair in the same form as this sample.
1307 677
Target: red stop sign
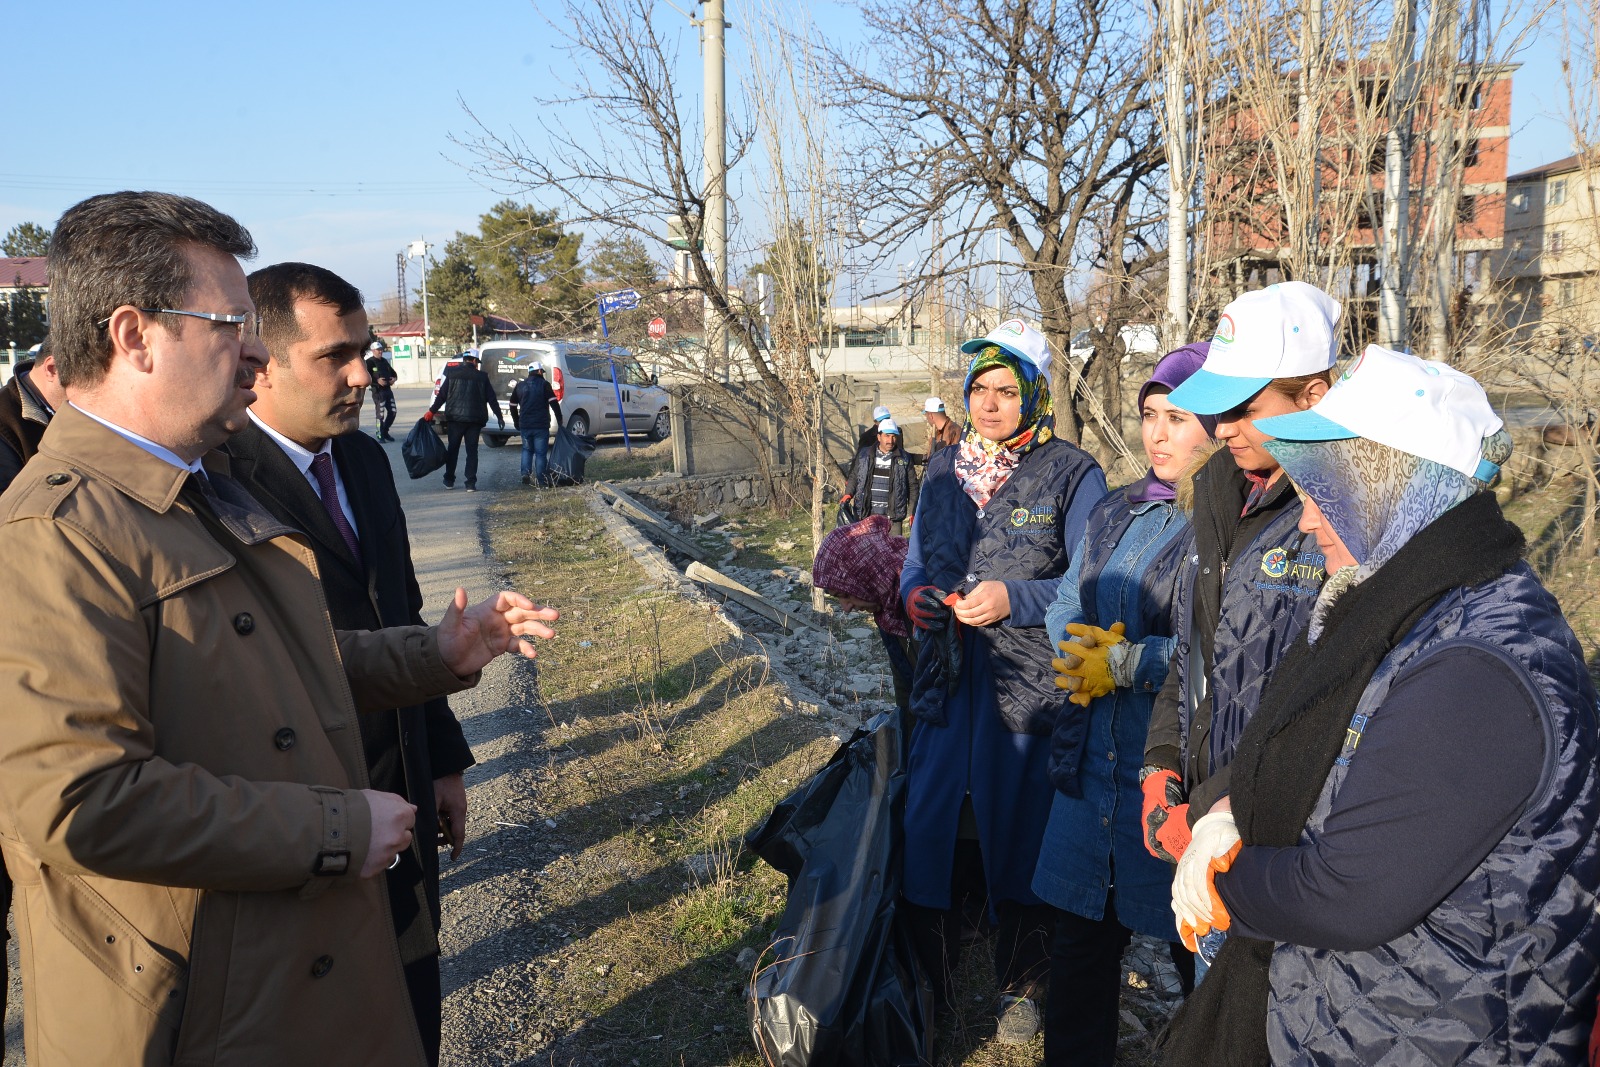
658 329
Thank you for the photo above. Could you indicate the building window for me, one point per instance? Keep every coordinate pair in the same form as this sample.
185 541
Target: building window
1472 154
1519 248
1466 210
1558 242
1469 96
1558 193
1567 294
1519 202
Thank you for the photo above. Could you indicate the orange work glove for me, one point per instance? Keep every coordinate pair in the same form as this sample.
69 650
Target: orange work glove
1165 815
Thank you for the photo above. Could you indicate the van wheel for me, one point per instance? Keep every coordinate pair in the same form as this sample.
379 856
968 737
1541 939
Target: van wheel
579 424
662 429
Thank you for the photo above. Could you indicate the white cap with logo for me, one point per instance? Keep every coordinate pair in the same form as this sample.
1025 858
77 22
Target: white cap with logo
1283 331
880 413
889 426
932 404
1018 338
1417 406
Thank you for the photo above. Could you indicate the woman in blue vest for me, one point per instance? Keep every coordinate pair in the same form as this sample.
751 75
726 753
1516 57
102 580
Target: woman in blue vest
1256 575
1408 860
997 517
1113 616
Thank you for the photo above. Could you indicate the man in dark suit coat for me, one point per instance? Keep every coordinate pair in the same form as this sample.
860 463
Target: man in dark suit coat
302 448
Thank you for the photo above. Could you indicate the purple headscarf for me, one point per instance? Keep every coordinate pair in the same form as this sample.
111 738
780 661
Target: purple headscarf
1172 371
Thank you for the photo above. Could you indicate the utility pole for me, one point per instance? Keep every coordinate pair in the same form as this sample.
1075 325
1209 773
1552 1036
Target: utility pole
999 316
712 29
402 305
1392 312
1177 326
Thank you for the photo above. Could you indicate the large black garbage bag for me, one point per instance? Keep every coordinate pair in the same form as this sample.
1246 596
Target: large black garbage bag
571 452
422 450
841 984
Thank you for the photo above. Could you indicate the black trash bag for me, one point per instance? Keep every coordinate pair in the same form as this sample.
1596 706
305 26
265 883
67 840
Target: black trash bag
846 516
568 456
422 450
842 984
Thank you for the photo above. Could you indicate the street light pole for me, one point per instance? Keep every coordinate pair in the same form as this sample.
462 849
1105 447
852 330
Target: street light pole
420 250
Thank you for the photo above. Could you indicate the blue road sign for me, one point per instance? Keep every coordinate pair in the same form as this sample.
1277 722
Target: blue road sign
621 300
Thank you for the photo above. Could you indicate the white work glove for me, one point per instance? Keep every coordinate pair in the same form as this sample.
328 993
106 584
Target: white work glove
1212 847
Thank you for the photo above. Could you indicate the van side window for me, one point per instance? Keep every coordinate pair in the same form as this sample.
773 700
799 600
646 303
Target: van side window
584 367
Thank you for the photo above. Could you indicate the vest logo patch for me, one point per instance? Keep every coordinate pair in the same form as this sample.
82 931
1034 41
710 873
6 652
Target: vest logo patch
1032 521
1288 570
1275 564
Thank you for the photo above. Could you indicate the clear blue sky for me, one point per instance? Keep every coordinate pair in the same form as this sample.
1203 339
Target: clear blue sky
325 126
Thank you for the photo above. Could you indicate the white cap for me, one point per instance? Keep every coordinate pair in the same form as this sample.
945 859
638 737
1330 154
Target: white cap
1418 406
1283 331
880 413
932 404
1018 338
888 426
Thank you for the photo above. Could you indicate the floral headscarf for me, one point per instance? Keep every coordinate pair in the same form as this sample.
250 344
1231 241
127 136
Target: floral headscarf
983 465
1375 497
863 560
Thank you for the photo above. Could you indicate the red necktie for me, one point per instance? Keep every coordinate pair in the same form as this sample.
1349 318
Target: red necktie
322 470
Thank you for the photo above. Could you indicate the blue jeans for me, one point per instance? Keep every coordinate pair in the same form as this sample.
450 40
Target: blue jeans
535 453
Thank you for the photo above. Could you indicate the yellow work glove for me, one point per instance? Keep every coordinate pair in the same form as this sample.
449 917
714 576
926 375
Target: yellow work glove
1082 669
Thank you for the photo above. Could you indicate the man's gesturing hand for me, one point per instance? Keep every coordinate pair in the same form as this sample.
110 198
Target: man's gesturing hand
470 637
392 820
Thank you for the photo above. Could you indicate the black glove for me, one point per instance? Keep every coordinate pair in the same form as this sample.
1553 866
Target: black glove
927 609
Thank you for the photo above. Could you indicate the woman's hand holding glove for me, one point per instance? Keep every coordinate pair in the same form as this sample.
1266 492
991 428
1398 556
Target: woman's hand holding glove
1195 902
1083 669
1164 814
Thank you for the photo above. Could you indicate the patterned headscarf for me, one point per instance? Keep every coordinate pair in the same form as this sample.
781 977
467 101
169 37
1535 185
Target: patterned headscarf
863 560
983 465
1375 497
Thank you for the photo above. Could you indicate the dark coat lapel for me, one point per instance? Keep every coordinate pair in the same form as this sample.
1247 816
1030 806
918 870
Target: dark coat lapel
274 479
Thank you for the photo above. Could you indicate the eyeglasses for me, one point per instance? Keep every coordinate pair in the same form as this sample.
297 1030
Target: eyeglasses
245 325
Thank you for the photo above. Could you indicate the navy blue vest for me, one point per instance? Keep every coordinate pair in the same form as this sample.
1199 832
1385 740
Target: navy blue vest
1018 536
1503 970
1267 596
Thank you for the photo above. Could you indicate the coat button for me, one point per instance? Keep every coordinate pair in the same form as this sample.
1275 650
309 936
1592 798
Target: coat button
57 478
284 739
322 966
244 623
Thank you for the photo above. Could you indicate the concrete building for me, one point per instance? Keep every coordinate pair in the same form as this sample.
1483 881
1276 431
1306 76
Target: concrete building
1549 269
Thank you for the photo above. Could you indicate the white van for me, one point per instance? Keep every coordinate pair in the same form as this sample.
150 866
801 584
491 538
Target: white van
581 374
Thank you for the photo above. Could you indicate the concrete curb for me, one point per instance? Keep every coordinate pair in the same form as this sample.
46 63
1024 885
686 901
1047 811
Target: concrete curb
798 697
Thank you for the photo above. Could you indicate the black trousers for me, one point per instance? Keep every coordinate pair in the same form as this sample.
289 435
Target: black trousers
427 1002
456 433
1022 936
1081 1013
383 401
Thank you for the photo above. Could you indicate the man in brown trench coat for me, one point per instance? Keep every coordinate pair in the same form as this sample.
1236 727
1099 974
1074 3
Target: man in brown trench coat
183 801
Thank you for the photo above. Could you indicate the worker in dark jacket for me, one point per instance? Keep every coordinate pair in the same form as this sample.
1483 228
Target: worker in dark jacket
381 371
1257 575
880 480
1407 863
997 521
303 458
1112 621
26 403
533 402
466 399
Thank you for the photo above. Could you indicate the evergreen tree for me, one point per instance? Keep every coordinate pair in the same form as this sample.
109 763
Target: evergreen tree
28 321
455 292
623 262
25 239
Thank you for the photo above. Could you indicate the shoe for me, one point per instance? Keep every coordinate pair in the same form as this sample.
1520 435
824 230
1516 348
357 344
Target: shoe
1019 1021
526 480
449 485
472 489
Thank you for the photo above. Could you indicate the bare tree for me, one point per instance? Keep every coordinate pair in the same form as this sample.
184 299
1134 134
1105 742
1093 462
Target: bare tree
1030 117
